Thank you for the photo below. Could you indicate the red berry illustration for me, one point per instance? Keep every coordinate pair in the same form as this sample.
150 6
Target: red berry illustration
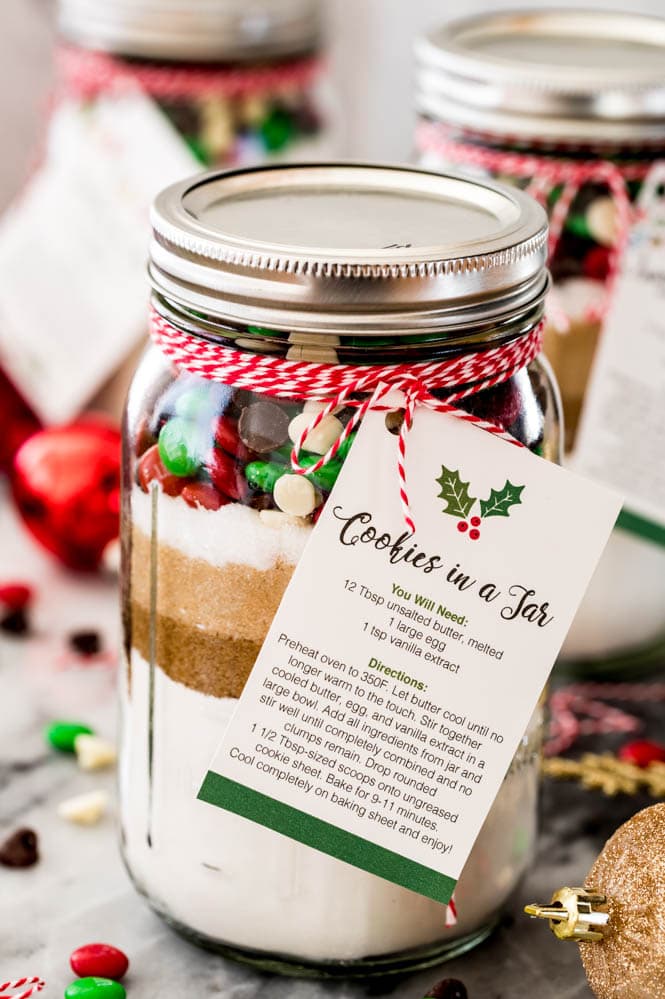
474 534
475 521
462 526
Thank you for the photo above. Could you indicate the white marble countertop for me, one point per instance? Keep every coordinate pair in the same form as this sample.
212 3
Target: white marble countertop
79 891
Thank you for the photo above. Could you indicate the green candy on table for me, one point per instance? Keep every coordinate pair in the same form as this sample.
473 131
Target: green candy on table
181 447
62 734
95 988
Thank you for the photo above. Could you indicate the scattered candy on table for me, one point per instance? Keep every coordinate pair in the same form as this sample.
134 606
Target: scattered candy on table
642 753
449 988
61 735
94 987
99 960
93 753
86 643
20 849
84 809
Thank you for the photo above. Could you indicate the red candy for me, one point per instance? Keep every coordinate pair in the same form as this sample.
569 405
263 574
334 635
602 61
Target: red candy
203 494
151 469
642 752
99 960
596 264
226 436
15 596
227 476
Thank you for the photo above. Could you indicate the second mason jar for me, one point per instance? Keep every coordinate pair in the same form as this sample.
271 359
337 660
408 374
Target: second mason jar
569 105
334 267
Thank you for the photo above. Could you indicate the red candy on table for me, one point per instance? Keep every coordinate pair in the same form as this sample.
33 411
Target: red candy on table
66 484
642 752
100 961
15 596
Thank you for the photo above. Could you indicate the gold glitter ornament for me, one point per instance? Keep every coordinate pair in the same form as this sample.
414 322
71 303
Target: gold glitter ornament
619 917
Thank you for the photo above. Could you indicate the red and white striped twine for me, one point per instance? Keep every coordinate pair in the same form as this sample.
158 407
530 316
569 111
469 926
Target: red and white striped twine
544 173
580 709
88 74
34 984
451 913
336 383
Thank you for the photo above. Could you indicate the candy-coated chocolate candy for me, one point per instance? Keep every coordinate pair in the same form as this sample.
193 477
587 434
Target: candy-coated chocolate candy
296 495
277 130
449 988
642 753
203 494
601 219
596 264
346 446
326 477
94 987
321 438
226 475
20 849
180 447
15 596
62 734
151 469
264 474
194 403
225 432
99 960
263 426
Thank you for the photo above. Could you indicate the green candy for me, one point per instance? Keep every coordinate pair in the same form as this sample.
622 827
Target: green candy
197 149
263 331
346 447
95 988
194 403
578 226
62 734
180 447
277 130
264 474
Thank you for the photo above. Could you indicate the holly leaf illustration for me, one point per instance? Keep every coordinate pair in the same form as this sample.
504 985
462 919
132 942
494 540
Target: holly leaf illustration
455 493
500 501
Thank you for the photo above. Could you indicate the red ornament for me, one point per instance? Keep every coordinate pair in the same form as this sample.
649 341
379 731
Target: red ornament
17 420
66 484
99 960
642 752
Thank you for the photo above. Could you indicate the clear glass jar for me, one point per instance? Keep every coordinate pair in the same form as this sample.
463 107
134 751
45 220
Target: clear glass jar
208 550
530 122
240 84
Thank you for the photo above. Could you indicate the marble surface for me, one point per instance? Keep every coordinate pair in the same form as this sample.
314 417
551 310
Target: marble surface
80 892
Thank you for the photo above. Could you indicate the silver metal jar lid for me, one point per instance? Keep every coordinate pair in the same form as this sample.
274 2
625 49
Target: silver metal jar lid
343 248
560 75
194 30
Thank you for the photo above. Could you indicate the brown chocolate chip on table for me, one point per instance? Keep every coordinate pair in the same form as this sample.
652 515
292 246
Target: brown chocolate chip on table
15 622
86 643
20 849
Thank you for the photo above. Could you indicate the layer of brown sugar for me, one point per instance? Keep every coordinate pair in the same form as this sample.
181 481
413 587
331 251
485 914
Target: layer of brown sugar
235 600
571 356
203 660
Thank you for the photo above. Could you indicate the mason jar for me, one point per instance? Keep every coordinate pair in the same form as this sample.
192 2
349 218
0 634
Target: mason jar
241 81
339 267
569 105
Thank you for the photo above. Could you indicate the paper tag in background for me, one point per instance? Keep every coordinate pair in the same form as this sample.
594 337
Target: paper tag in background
400 673
73 248
621 440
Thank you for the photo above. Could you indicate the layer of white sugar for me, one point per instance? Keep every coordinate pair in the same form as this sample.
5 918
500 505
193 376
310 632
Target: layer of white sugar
624 606
235 534
247 886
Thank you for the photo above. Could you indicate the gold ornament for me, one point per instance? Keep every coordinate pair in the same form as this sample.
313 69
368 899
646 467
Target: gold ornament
608 774
618 919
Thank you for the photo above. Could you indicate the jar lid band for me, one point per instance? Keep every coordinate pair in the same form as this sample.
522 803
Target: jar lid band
474 371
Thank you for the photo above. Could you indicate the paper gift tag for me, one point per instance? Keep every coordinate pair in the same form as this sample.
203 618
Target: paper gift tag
400 672
621 440
73 288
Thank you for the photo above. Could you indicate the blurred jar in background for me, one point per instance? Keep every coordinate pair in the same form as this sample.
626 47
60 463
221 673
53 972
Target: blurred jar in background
240 80
570 106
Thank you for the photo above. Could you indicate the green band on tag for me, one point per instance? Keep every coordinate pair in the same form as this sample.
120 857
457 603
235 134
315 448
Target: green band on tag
323 836
635 524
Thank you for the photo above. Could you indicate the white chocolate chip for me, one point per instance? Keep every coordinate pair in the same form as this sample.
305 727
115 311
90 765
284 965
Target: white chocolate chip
318 355
601 220
277 519
94 753
295 494
84 809
321 438
316 406
314 339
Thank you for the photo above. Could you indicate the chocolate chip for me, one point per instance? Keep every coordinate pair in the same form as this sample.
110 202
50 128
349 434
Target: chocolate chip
261 501
263 427
86 643
20 849
15 623
449 988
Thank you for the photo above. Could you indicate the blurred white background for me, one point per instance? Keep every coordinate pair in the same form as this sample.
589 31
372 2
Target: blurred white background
371 47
